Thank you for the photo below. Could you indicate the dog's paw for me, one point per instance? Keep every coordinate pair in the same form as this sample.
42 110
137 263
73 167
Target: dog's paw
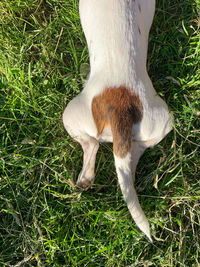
84 182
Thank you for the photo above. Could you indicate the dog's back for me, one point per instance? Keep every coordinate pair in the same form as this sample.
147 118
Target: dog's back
117 36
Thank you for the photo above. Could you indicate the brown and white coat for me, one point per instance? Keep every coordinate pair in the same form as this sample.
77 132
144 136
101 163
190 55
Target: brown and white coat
118 103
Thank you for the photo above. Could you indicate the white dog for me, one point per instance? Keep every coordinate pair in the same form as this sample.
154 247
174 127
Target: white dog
118 103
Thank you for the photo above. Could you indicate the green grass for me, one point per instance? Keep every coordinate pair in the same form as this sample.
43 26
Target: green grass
44 220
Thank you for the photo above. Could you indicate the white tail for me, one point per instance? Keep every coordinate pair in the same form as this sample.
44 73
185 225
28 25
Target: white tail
123 168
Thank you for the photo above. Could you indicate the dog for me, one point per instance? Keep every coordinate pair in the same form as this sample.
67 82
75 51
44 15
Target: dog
118 103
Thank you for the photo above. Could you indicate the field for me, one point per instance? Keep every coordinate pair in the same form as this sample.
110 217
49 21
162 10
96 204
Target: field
45 220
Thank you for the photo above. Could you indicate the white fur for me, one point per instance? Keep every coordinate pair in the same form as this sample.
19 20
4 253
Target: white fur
117 36
123 168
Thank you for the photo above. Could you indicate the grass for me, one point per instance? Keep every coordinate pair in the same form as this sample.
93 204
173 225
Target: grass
45 221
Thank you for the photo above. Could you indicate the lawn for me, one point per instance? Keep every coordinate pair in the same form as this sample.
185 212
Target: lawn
45 220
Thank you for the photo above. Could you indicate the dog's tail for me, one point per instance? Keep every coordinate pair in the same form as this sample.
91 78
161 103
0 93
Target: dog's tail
126 184
119 108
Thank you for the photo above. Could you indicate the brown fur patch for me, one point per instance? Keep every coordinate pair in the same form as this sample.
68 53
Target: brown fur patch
118 108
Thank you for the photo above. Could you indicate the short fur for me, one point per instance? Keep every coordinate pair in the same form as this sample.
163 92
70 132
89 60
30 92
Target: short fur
118 103
119 109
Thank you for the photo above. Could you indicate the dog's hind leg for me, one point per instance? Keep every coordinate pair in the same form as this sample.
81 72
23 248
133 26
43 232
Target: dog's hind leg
90 147
137 151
